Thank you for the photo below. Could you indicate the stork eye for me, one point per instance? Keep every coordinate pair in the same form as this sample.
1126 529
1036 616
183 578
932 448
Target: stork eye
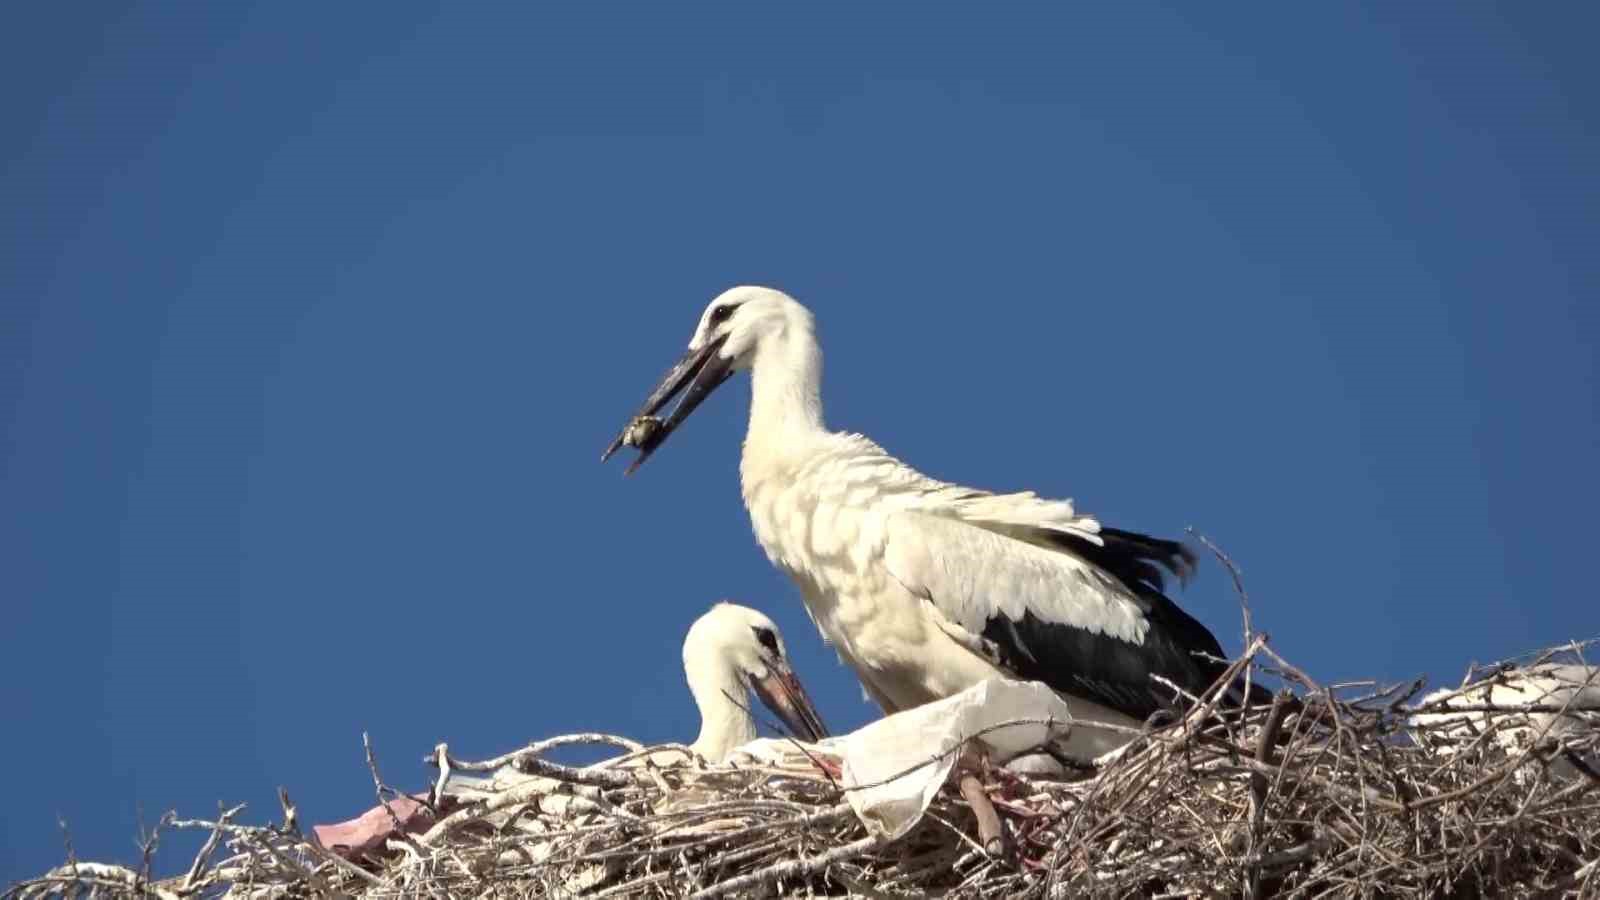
767 638
721 314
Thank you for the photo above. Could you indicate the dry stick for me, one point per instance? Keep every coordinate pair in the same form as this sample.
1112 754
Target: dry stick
209 847
1103 784
794 868
1238 580
118 880
1202 711
66 838
1577 762
378 788
1259 783
648 756
1587 871
1521 809
147 848
635 852
528 762
1400 699
1353 795
265 837
691 818
540 747
1441 705
441 759
523 794
726 859
1244 600
1293 671
291 819
1493 776
472 812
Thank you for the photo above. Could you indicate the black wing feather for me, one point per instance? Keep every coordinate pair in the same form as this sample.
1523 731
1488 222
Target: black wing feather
1107 669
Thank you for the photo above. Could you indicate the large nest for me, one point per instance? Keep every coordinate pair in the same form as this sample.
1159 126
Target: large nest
1343 790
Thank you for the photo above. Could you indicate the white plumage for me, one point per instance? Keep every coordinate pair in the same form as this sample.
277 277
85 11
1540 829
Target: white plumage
926 587
728 653
1518 708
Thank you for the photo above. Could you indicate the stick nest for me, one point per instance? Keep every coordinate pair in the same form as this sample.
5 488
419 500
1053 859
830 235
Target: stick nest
1331 790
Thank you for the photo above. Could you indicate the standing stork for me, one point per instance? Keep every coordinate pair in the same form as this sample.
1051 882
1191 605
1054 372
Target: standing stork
923 587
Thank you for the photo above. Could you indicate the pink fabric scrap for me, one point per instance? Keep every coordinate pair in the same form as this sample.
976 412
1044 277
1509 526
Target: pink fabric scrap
367 833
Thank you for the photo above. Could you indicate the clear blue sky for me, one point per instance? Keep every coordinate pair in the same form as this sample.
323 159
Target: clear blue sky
315 319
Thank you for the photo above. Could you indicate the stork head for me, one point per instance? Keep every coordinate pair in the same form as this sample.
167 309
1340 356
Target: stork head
736 649
731 333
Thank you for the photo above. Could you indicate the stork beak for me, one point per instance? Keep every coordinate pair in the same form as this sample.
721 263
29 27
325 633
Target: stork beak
782 693
701 371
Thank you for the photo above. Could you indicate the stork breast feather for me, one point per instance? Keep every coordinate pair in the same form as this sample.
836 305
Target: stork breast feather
973 575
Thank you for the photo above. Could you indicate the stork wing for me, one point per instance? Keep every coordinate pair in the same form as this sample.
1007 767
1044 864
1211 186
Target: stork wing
1072 608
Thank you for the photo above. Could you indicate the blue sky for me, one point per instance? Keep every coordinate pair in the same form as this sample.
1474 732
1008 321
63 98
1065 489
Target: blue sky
316 320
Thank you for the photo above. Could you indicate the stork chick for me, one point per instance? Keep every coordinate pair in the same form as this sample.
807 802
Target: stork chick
730 652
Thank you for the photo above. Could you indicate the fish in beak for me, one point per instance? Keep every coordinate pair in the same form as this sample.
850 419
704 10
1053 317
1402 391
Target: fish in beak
782 693
700 372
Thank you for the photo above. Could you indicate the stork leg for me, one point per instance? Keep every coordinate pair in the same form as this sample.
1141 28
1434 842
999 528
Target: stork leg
972 762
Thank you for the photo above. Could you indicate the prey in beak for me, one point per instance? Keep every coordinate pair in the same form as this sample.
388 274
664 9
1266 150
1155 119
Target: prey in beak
782 693
700 372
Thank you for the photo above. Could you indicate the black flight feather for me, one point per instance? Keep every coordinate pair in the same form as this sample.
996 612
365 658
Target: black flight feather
1104 668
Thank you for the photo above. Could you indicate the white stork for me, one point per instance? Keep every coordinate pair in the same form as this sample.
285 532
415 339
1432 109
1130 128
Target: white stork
924 587
730 652
1519 707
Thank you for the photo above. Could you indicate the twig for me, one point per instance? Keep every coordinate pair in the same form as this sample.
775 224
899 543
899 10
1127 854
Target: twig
1259 783
795 868
291 820
379 788
65 881
147 847
1238 581
538 748
266 838
440 758
529 762
66 839
1299 853
192 877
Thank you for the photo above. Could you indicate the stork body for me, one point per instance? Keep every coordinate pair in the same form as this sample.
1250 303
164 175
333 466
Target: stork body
1555 701
925 587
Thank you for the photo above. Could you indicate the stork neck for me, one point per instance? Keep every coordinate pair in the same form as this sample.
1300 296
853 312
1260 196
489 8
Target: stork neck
724 724
786 392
